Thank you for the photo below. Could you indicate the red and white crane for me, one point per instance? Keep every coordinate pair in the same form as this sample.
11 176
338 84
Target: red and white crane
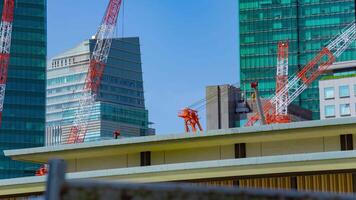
5 45
281 81
95 72
302 80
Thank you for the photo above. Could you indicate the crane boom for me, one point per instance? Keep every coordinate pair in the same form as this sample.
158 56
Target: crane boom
5 45
95 72
298 83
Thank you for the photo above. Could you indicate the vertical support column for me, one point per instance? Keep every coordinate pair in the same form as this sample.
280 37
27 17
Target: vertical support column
55 179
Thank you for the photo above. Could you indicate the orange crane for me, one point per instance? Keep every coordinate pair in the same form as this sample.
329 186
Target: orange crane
191 119
5 45
302 80
97 64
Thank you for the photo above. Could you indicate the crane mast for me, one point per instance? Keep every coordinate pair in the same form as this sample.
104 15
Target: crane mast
318 65
281 81
95 72
5 45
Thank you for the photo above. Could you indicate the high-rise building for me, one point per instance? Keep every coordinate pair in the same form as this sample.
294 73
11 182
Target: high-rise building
306 24
23 118
120 102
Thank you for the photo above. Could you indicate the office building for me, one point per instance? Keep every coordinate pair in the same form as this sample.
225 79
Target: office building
338 91
308 25
120 102
312 155
23 119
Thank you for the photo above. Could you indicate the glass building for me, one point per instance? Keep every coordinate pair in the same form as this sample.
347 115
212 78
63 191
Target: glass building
120 102
23 119
307 24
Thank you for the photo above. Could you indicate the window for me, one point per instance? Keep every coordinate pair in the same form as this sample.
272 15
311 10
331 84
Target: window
344 91
330 111
146 158
346 142
329 93
355 90
345 110
240 150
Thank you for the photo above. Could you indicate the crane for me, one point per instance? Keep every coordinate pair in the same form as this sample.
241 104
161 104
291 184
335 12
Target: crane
97 64
5 45
302 80
191 119
281 81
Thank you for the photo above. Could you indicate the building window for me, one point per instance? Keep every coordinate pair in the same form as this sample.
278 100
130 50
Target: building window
345 110
146 158
329 93
346 142
240 150
330 111
344 91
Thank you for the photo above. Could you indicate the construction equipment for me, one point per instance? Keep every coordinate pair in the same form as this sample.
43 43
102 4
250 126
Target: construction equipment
95 72
281 81
5 45
42 171
117 134
191 119
254 85
302 80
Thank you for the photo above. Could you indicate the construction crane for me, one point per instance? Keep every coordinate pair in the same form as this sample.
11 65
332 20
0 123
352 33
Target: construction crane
302 80
95 72
5 45
281 81
191 119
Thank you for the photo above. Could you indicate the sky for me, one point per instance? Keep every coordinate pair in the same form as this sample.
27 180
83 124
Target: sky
186 45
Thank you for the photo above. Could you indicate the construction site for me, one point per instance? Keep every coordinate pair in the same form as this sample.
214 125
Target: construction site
248 141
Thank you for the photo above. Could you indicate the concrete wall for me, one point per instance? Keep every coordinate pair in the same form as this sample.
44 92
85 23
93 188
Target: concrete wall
218 152
221 106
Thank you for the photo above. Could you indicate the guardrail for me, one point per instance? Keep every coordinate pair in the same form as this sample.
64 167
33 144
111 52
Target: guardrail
58 188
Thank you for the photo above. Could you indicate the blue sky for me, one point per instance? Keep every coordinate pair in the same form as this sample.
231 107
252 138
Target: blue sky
185 45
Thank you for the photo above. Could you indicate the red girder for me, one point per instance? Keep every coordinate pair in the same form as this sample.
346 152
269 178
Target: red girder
4 64
8 11
94 76
317 66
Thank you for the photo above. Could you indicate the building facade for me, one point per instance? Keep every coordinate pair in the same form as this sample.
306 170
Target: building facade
120 102
338 91
222 104
306 24
315 155
23 120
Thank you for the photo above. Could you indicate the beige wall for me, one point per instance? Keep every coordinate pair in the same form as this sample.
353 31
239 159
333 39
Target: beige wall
109 162
293 146
221 152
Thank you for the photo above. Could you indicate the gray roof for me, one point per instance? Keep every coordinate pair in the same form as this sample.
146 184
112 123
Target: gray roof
173 137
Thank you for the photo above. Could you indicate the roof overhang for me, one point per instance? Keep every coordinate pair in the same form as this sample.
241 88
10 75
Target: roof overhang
275 132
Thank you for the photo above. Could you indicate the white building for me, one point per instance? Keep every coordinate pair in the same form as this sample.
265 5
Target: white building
338 91
120 102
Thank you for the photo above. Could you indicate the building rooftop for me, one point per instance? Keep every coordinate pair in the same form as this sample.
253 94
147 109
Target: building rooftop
272 132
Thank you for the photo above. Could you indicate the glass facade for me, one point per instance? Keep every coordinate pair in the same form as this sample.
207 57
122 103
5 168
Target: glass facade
306 24
120 102
24 107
